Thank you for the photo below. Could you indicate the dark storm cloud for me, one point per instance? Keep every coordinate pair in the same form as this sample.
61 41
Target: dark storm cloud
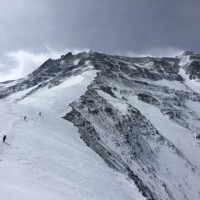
123 26
104 25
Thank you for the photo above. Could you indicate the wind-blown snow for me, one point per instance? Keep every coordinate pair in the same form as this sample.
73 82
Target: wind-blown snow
146 65
171 84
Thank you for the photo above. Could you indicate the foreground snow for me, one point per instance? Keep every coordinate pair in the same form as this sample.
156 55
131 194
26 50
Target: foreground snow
46 159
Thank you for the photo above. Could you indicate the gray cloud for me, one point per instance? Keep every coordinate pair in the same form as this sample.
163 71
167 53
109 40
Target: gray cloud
105 25
23 62
101 25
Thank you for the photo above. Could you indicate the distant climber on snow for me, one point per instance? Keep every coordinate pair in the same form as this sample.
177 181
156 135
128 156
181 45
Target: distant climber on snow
4 138
24 117
40 114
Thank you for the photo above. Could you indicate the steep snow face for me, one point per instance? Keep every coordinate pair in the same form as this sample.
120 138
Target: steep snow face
140 115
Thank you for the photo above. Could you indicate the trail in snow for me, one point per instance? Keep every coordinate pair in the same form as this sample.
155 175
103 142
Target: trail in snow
8 130
47 160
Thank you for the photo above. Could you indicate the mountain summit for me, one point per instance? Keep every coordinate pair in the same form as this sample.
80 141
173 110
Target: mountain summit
138 118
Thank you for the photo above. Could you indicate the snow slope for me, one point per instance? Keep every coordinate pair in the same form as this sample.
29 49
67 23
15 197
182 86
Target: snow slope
46 159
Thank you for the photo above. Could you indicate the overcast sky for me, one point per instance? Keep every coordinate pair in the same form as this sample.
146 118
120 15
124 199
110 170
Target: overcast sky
33 30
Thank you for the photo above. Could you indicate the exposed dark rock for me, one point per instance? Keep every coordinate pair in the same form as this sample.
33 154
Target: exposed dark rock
198 136
147 98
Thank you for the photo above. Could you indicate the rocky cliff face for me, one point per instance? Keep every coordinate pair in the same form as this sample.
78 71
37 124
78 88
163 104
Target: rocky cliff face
141 115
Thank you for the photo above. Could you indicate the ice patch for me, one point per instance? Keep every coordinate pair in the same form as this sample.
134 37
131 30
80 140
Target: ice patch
76 61
118 104
176 85
145 65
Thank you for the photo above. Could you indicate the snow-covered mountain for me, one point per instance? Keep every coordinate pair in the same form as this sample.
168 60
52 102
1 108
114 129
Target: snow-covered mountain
112 127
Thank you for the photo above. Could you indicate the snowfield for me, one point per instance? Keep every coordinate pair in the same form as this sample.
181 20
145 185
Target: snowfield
45 159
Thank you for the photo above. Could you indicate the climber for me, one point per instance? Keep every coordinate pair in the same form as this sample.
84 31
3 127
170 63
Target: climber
4 138
24 117
40 114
